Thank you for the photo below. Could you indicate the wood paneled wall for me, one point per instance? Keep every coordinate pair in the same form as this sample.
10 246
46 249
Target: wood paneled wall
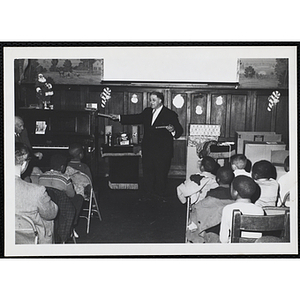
234 109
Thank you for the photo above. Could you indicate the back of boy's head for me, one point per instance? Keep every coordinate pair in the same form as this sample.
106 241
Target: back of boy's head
248 166
245 186
75 150
58 162
239 160
208 164
263 169
224 175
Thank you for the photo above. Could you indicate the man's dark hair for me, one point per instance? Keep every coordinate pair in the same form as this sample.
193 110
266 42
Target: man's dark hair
225 175
245 186
263 169
159 95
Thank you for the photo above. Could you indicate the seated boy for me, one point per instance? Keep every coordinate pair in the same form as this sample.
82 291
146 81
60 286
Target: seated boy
205 215
285 182
77 154
242 189
78 171
55 178
238 165
264 174
199 184
224 178
81 182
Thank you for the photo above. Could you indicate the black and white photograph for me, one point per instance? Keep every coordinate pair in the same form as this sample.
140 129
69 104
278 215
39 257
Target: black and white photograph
150 150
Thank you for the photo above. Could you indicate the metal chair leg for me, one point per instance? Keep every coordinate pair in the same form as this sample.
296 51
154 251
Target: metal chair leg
188 207
92 202
97 206
89 212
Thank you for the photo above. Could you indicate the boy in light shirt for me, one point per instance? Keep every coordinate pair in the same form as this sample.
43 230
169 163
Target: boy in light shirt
286 183
242 190
264 174
199 184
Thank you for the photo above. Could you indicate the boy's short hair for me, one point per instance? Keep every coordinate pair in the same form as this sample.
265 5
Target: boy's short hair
225 175
245 186
248 166
75 149
21 153
57 161
263 169
208 163
239 160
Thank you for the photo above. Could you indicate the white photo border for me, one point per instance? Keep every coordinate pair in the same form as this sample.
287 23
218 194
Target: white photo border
124 250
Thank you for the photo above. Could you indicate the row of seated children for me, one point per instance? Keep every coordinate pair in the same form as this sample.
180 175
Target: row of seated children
271 191
71 176
244 192
240 191
263 179
263 172
204 215
57 179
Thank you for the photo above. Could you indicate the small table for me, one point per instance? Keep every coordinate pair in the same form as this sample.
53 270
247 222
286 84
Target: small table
123 169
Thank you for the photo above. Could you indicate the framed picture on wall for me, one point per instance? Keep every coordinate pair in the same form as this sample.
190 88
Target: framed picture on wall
61 71
263 72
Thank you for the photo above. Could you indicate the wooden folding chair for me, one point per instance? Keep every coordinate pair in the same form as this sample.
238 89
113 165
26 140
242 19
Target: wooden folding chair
285 199
269 225
275 210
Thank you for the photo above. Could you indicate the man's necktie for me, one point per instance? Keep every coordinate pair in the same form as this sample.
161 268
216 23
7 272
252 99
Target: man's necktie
153 111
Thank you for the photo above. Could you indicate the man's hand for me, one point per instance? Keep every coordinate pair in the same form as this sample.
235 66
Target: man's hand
39 155
115 117
170 128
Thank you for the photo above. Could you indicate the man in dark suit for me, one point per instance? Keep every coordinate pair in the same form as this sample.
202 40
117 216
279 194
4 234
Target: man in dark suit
161 126
21 136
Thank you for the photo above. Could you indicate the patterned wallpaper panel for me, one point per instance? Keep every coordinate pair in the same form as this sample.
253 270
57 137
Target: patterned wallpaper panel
207 130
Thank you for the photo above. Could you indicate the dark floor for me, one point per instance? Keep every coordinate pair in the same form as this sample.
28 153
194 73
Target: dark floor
127 220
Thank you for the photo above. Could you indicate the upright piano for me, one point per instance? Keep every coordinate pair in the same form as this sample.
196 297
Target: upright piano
63 127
